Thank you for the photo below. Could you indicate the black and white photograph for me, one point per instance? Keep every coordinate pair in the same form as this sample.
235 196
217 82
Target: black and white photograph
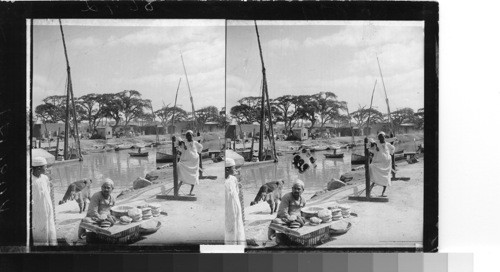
128 120
325 133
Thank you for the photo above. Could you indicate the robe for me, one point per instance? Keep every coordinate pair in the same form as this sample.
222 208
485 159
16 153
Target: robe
43 222
234 229
381 166
189 165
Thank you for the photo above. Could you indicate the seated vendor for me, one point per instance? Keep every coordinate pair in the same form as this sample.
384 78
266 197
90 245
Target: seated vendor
293 202
290 206
101 202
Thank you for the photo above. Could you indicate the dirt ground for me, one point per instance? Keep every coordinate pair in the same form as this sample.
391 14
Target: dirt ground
187 222
398 222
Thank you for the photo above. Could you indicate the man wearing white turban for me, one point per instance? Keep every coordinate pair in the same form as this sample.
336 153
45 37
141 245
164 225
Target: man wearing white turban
292 203
381 165
189 163
101 202
43 223
234 228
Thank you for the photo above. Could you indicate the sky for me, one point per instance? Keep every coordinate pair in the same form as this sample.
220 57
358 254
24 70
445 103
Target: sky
110 56
307 57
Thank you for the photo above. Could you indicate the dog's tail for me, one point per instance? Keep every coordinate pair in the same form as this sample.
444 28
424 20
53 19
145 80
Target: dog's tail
68 194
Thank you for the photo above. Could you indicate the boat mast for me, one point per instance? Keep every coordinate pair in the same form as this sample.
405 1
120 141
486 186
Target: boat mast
190 96
370 110
265 95
69 93
350 124
386 99
175 105
154 122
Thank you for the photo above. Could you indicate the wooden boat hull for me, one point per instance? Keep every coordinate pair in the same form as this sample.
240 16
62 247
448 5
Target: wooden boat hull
357 159
134 154
164 157
122 147
334 156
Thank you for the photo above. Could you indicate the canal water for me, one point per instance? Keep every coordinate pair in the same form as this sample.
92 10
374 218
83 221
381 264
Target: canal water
314 178
116 165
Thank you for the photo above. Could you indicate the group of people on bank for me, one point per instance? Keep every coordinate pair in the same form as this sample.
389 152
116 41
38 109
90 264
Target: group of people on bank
293 202
43 217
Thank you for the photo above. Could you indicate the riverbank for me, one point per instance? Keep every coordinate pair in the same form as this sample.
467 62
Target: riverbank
397 223
187 222
407 141
210 140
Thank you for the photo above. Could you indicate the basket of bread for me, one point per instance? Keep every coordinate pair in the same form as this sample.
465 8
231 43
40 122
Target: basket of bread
119 211
312 211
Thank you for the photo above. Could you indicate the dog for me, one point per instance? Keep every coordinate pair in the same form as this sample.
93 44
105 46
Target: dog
78 191
271 193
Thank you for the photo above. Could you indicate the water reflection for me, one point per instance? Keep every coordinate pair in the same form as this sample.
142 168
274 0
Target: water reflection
314 178
117 165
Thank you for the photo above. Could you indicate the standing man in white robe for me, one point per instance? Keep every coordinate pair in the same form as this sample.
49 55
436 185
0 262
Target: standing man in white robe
234 229
43 222
189 164
381 166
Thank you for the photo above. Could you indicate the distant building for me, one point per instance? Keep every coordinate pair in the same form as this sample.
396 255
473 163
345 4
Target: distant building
105 132
301 133
210 127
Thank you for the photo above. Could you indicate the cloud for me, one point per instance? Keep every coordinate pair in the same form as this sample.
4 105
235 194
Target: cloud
283 44
197 56
168 35
88 41
368 35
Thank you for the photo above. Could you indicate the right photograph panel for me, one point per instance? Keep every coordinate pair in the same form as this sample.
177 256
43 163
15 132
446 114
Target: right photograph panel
324 142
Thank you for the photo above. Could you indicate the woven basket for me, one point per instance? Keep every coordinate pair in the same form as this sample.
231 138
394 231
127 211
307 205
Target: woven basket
124 237
119 211
312 238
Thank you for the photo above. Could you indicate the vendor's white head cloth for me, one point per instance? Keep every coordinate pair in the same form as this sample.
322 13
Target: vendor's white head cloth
38 161
230 162
383 133
299 182
108 181
190 131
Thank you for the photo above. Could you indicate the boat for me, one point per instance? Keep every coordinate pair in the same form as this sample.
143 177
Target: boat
334 156
164 157
122 147
399 155
357 159
137 154
318 148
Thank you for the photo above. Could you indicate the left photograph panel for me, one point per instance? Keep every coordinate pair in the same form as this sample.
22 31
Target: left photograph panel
127 121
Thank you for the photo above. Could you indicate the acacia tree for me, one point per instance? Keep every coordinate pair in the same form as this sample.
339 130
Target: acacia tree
207 114
165 115
286 107
404 115
248 110
111 108
419 118
307 109
53 109
90 109
132 105
362 114
328 107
